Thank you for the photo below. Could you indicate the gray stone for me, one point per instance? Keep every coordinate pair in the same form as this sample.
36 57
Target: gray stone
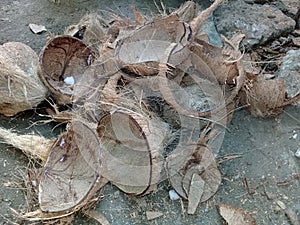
260 23
209 27
290 72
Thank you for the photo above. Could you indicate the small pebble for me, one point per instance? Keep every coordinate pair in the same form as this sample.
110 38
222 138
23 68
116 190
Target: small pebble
281 204
297 153
151 215
173 195
69 81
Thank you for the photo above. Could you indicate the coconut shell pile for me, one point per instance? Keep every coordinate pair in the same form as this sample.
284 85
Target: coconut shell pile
149 101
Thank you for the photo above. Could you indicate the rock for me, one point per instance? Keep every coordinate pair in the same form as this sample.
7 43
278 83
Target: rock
290 72
296 41
289 7
209 27
296 33
260 23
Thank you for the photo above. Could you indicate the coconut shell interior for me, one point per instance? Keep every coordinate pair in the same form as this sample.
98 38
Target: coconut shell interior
63 62
71 169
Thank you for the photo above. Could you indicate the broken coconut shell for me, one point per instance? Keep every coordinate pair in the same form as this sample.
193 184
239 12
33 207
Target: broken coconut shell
181 169
21 87
90 29
63 62
71 170
131 151
141 51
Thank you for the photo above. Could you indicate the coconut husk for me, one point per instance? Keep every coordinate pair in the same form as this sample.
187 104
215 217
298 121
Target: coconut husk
71 170
264 97
64 57
132 151
34 146
21 88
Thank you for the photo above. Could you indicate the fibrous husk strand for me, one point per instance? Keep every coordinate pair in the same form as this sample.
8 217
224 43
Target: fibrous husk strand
32 145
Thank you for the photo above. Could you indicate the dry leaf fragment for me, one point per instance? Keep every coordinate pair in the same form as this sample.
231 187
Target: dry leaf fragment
235 216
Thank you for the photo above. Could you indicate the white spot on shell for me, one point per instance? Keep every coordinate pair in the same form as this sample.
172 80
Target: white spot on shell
89 60
62 142
69 81
33 182
62 159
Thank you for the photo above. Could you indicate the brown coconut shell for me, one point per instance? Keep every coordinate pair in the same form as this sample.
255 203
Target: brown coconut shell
131 151
21 87
64 57
71 170
141 51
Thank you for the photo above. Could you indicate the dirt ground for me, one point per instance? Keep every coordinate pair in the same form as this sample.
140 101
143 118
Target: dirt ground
265 147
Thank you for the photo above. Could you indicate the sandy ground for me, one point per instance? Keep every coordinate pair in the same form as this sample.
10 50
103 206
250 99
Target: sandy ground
266 146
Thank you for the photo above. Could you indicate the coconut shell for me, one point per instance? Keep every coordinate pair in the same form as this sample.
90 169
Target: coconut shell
141 51
131 153
21 87
63 62
71 170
